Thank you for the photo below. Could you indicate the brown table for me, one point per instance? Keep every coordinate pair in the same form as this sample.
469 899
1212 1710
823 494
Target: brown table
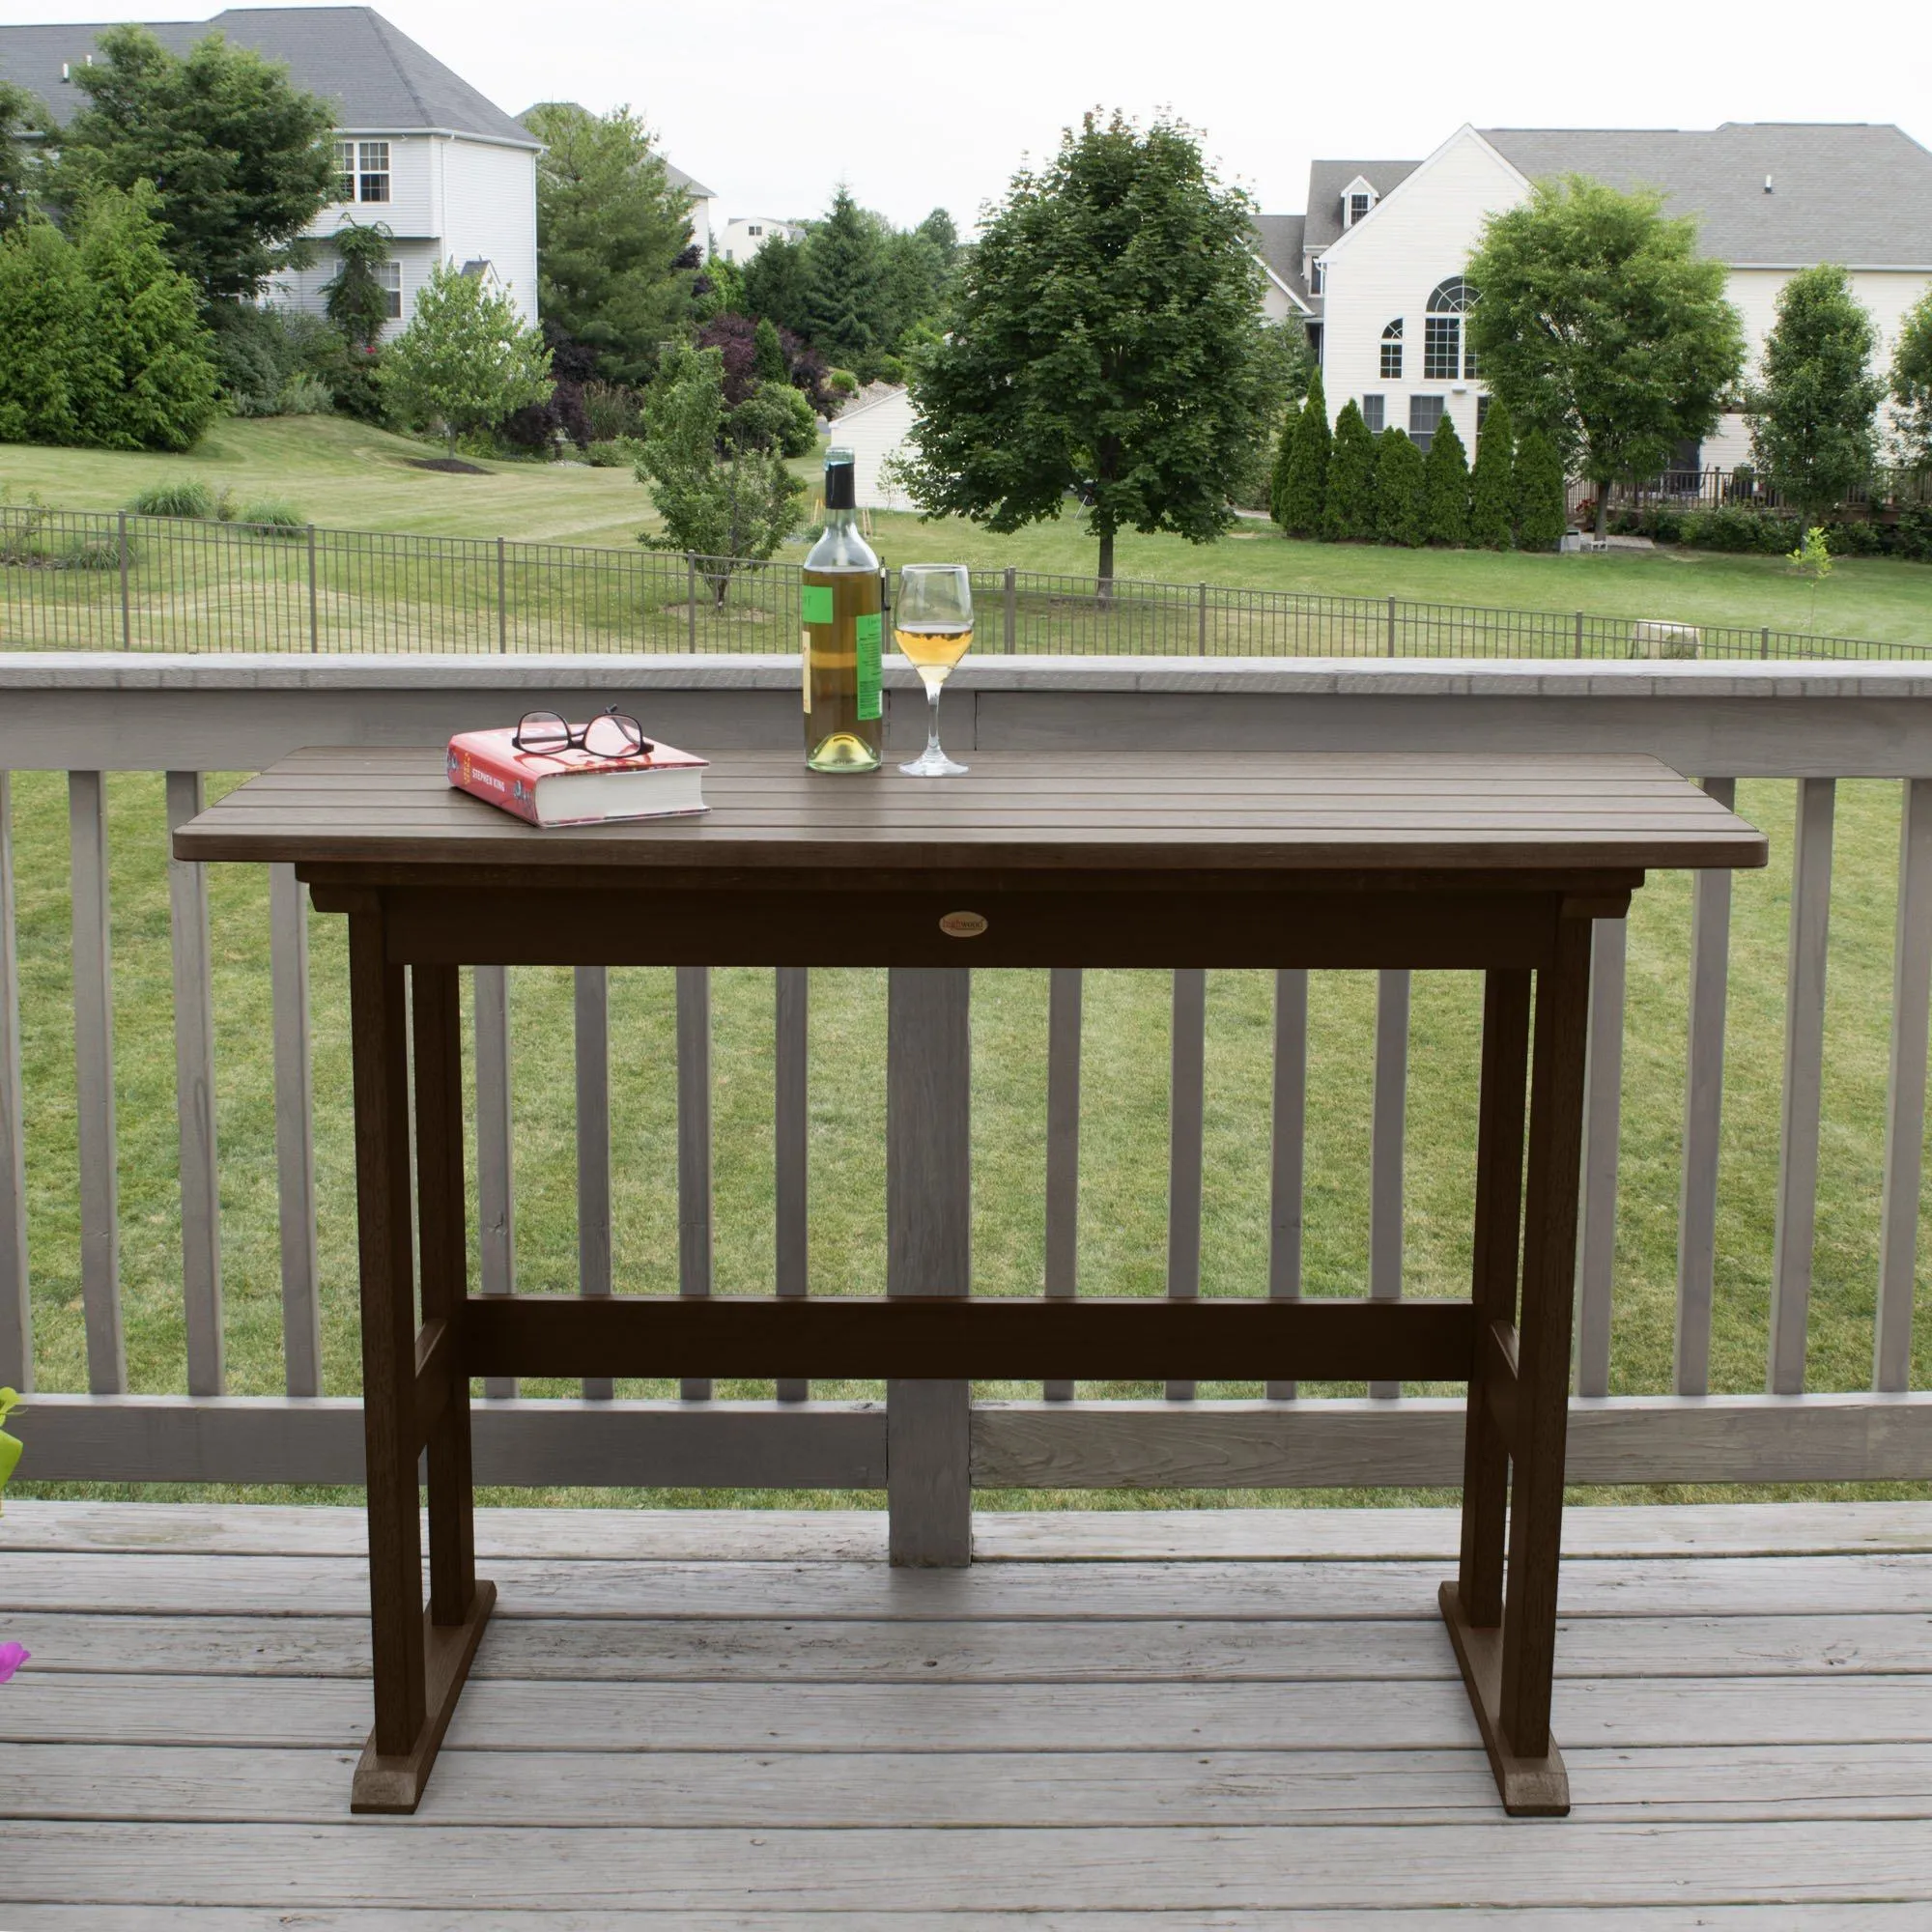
1246 859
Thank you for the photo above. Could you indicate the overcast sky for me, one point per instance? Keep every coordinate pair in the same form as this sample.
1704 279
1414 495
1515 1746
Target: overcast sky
924 104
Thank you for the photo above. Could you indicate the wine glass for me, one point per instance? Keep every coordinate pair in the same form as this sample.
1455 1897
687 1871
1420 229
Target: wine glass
932 625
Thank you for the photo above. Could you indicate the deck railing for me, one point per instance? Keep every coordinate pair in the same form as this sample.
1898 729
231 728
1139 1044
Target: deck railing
101 580
186 717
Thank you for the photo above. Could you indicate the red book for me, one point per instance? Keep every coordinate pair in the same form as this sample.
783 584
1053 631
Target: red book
576 788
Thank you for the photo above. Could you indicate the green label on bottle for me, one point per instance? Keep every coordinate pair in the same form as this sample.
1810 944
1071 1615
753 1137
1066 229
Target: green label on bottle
867 633
816 602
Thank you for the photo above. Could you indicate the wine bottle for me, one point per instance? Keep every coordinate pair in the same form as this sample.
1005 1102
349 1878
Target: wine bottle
843 641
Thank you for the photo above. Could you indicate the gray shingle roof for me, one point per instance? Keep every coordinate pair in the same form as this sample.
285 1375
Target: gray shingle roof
1278 240
1856 193
1327 179
379 79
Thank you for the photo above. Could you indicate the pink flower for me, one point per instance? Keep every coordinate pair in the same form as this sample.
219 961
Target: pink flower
12 1657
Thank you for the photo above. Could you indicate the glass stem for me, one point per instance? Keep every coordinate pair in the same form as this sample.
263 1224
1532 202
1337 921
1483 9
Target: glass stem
932 750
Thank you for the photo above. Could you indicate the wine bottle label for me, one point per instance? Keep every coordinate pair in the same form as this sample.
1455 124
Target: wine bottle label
866 633
816 602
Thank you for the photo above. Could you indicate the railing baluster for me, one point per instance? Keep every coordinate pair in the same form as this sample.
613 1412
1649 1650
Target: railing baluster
791 1135
1804 1079
1905 1093
295 1132
593 1146
1290 1125
1183 1158
1703 1114
195 1096
694 1147
17 1308
1602 1105
495 1188
1387 1128
1065 988
94 1086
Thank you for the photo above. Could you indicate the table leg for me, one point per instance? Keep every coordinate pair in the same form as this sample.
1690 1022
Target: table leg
419 1669
1509 1677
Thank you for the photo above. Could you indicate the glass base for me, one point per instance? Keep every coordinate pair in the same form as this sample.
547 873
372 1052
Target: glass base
932 763
843 751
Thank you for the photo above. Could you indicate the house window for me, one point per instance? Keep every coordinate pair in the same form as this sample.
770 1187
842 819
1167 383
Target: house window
1374 414
345 171
1443 358
1359 206
1318 275
389 278
753 229
372 174
1424 414
1392 352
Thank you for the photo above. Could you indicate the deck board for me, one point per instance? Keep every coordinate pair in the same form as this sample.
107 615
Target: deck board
713 1721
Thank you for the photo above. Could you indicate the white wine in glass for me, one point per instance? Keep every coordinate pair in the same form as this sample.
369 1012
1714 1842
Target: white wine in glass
932 625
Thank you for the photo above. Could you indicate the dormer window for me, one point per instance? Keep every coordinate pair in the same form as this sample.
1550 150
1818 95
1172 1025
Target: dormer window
1359 206
1392 352
1358 198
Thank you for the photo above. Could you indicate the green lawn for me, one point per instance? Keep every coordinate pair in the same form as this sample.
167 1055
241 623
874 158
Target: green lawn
344 474
1124 1154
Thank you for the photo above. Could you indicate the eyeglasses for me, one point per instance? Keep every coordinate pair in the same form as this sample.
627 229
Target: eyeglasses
610 734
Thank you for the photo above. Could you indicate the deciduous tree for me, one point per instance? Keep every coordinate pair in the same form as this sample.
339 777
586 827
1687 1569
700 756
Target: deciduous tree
1349 515
1491 515
20 114
1445 488
612 234
240 161
1599 324
1912 383
1814 412
1104 345
1399 482
465 360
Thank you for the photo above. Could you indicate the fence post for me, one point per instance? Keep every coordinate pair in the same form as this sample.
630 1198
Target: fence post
1391 628
1203 621
1579 633
1012 606
126 618
502 604
1763 643
314 623
691 601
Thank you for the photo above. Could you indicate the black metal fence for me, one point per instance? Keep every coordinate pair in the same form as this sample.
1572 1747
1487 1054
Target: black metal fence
85 581
1885 489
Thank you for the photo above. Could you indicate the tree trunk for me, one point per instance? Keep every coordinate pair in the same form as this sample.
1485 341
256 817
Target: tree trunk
1602 511
1106 570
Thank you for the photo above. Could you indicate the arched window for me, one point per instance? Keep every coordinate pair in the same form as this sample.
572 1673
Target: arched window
1442 331
1392 351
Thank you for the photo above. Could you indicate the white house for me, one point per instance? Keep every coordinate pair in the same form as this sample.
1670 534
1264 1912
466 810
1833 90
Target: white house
704 205
744 234
417 147
875 428
1383 244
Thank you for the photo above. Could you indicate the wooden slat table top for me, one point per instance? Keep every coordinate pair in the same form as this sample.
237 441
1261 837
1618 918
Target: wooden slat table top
1095 811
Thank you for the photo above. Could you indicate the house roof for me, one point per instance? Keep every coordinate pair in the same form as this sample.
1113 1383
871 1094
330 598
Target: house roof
1326 181
378 77
1278 239
690 184
1858 192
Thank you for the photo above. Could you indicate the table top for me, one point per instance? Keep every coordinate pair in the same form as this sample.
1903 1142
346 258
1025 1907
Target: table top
1089 812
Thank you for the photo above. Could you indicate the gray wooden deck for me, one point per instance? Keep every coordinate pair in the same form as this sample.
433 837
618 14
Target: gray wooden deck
1223 1719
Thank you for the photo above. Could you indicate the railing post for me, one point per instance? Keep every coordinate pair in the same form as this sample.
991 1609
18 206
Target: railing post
929 1251
1187 1091
316 623
17 1314
592 988
791 1145
1905 1093
1011 607
1391 627
694 1148
1288 1151
1065 986
1602 1095
1387 1129
295 1132
127 608
502 602
495 1190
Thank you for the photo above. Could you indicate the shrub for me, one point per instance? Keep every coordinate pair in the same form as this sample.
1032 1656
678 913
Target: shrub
610 409
1398 489
1349 515
842 381
1445 488
615 454
1734 530
305 394
1537 484
182 497
775 415
1911 534
358 386
1489 518
274 516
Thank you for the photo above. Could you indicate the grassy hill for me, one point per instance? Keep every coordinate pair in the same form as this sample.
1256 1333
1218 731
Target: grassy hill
350 477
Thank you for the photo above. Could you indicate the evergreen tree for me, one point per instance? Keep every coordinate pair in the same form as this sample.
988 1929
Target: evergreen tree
1284 462
768 357
1445 488
845 292
1813 421
152 382
355 299
1306 492
772 284
1399 487
1349 514
1492 513
1541 513
20 114
45 318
